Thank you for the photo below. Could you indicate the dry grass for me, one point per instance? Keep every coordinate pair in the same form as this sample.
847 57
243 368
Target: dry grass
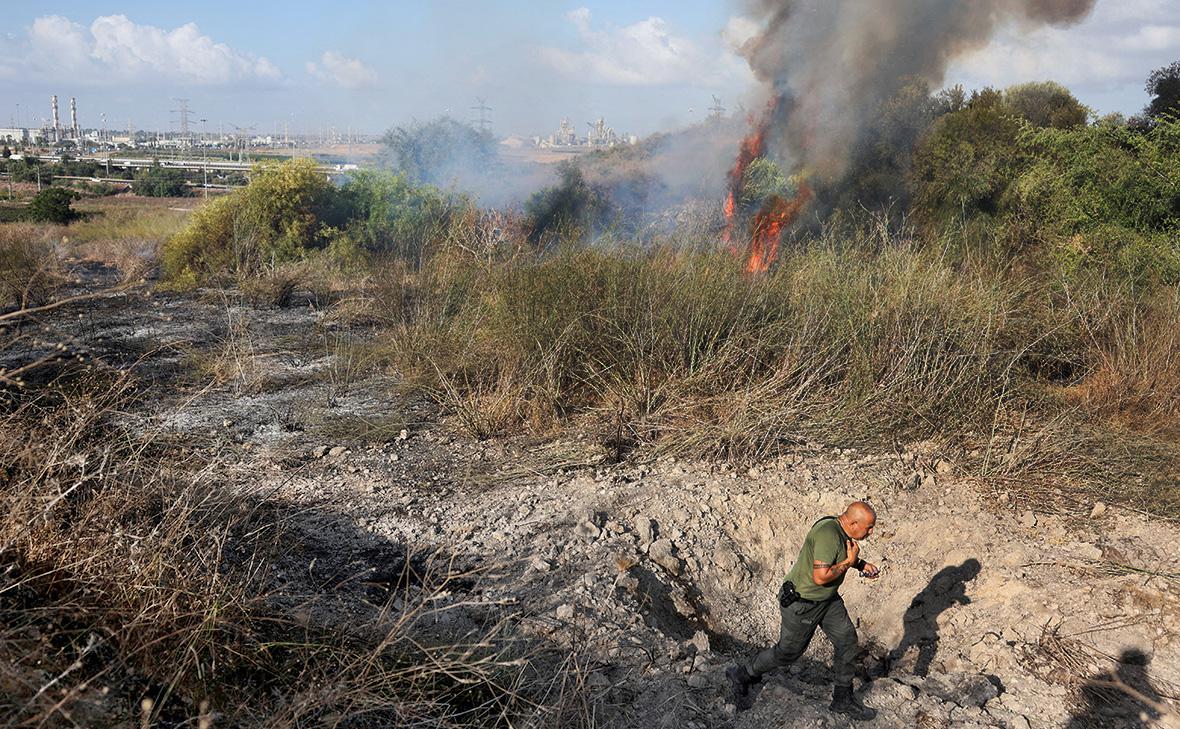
30 268
232 359
1059 386
135 586
126 234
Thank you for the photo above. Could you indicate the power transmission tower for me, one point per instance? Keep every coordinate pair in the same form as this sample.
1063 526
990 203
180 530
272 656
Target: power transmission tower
717 109
183 111
483 123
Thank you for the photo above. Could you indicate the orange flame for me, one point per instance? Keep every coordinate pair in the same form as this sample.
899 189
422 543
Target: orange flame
776 215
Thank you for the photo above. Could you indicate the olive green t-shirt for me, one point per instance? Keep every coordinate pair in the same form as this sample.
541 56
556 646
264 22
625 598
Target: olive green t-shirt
824 543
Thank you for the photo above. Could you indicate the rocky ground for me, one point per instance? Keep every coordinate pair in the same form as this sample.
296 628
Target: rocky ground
659 572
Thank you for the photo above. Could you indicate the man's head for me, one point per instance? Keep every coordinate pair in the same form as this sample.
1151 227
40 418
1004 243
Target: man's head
858 520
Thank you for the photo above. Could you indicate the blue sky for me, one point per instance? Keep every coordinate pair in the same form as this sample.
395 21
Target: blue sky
369 65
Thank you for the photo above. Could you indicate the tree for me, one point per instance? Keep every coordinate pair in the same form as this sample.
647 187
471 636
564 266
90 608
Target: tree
52 205
439 152
1164 86
568 210
1046 104
969 158
6 153
157 181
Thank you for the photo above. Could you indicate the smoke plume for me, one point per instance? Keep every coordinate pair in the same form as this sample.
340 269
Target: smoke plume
828 64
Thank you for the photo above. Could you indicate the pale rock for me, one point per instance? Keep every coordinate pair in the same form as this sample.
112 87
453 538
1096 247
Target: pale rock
1028 520
663 553
565 612
337 451
1098 510
698 680
700 640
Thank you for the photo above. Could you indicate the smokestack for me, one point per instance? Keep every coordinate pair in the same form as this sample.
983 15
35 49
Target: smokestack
56 119
74 118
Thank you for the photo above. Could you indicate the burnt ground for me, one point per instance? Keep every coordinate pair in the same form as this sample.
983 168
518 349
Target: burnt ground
658 572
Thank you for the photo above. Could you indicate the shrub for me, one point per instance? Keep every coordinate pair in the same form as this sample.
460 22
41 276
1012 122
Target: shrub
1106 195
280 216
52 205
965 163
387 215
568 211
1046 104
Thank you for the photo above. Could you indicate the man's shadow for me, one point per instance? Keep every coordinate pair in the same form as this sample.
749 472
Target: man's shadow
947 588
1122 698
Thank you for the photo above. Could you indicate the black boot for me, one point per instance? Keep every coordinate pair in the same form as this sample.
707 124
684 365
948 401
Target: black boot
845 702
739 686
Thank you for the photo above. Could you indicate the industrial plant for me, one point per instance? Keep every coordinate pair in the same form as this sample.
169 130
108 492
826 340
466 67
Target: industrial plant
76 138
598 136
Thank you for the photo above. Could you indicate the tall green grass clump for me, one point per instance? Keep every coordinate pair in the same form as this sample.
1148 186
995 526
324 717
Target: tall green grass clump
688 350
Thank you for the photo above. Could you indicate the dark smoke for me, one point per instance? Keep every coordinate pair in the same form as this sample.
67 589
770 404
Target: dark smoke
831 63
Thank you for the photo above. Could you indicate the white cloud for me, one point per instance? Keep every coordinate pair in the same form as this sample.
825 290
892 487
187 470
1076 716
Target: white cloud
349 73
645 53
115 49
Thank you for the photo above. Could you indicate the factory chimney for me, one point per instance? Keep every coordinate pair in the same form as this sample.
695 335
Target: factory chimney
56 119
74 118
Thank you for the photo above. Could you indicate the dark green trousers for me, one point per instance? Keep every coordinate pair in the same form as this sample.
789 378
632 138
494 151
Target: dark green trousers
800 619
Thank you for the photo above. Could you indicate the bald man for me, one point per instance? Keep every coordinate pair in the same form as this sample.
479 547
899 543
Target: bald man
810 598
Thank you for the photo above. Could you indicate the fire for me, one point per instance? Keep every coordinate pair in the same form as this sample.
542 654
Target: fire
776 215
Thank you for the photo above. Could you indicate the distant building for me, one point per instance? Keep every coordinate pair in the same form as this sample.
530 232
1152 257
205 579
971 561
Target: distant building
599 136
14 135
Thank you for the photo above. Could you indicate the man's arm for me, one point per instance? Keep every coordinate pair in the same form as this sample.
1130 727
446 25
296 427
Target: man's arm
823 573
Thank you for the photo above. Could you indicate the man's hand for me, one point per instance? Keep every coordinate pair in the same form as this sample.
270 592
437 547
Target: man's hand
871 571
853 552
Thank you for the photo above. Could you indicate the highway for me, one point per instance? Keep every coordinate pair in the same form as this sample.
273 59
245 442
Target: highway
195 165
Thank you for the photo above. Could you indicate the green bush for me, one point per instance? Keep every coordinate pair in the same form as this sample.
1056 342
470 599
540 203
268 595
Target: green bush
1106 195
52 205
291 211
1046 104
388 215
280 216
967 160
438 152
568 211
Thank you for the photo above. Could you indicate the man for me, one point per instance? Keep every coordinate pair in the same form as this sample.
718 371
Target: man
808 599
